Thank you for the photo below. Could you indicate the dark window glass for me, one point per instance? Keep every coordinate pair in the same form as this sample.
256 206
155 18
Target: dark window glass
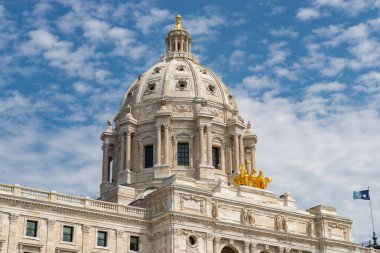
134 243
215 157
31 228
67 234
183 154
149 156
102 239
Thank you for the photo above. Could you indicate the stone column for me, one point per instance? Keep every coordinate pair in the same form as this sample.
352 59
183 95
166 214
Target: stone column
222 158
166 145
209 146
176 44
253 158
106 163
236 147
216 244
128 152
253 247
50 235
246 247
158 153
242 160
175 153
181 43
122 152
14 235
209 242
201 144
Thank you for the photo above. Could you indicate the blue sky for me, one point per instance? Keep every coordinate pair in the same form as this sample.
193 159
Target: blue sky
306 73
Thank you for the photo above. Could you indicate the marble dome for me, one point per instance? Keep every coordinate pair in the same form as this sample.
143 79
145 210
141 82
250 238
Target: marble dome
177 118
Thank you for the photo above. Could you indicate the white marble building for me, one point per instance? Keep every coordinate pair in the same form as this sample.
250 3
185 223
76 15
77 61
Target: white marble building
168 165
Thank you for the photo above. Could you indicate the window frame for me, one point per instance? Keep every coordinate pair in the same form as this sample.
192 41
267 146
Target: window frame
130 242
145 156
218 149
98 231
72 233
37 228
185 157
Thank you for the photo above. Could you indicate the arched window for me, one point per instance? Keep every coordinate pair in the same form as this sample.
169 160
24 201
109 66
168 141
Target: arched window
228 250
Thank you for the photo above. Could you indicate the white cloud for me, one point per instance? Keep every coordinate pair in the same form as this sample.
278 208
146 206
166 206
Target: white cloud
277 53
81 87
351 7
326 87
259 83
286 32
237 58
144 21
306 14
285 73
369 82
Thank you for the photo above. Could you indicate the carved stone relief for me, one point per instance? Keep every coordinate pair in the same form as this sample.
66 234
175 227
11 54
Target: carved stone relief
182 108
281 222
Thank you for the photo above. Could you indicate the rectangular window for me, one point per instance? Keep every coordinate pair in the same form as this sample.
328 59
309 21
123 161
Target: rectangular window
134 243
31 228
215 157
183 153
67 234
102 239
149 156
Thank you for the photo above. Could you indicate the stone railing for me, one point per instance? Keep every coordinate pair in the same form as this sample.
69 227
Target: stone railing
74 201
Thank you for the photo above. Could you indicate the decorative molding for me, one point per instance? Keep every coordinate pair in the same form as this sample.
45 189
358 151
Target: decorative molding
86 228
13 217
119 233
50 223
182 108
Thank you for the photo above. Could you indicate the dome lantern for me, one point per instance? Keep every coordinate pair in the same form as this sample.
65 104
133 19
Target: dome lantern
178 41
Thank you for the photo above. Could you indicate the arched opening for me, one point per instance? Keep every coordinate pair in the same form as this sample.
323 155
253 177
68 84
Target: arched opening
228 250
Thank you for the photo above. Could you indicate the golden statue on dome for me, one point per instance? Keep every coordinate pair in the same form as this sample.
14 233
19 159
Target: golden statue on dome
246 179
178 25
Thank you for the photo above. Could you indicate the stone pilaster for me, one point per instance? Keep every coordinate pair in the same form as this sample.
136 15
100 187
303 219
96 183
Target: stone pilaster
158 145
122 152
106 163
209 146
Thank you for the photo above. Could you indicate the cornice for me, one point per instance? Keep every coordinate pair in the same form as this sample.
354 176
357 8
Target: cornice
77 210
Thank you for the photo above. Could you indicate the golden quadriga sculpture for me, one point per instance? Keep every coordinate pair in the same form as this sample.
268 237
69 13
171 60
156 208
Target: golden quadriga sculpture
244 178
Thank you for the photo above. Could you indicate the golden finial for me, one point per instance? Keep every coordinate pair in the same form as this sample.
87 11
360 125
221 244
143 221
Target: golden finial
178 25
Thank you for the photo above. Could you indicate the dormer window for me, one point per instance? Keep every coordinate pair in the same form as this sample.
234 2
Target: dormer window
203 71
181 68
151 86
156 70
211 88
182 85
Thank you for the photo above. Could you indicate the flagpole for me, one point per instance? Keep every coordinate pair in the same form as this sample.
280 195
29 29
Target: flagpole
373 226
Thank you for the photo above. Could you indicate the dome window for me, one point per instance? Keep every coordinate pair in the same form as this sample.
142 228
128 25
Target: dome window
151 86
211 88
192 241
182 85
181 68
156 70
130 94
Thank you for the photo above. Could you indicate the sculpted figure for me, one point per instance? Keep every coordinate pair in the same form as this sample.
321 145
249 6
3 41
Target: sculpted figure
284 222
244 216
251 217
310 228
214 210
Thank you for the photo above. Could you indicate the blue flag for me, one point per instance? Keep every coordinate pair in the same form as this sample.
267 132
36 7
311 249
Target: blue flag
361 195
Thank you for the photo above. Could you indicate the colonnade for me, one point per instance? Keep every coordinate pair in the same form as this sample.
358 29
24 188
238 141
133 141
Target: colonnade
159 144
180 43
236 157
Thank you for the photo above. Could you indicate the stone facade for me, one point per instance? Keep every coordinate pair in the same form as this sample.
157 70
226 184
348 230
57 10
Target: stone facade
168 165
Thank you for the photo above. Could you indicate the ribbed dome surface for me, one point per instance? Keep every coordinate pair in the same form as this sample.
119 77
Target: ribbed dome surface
178 78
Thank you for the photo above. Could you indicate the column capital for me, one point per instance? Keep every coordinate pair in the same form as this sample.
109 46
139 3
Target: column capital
246 244
158 125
